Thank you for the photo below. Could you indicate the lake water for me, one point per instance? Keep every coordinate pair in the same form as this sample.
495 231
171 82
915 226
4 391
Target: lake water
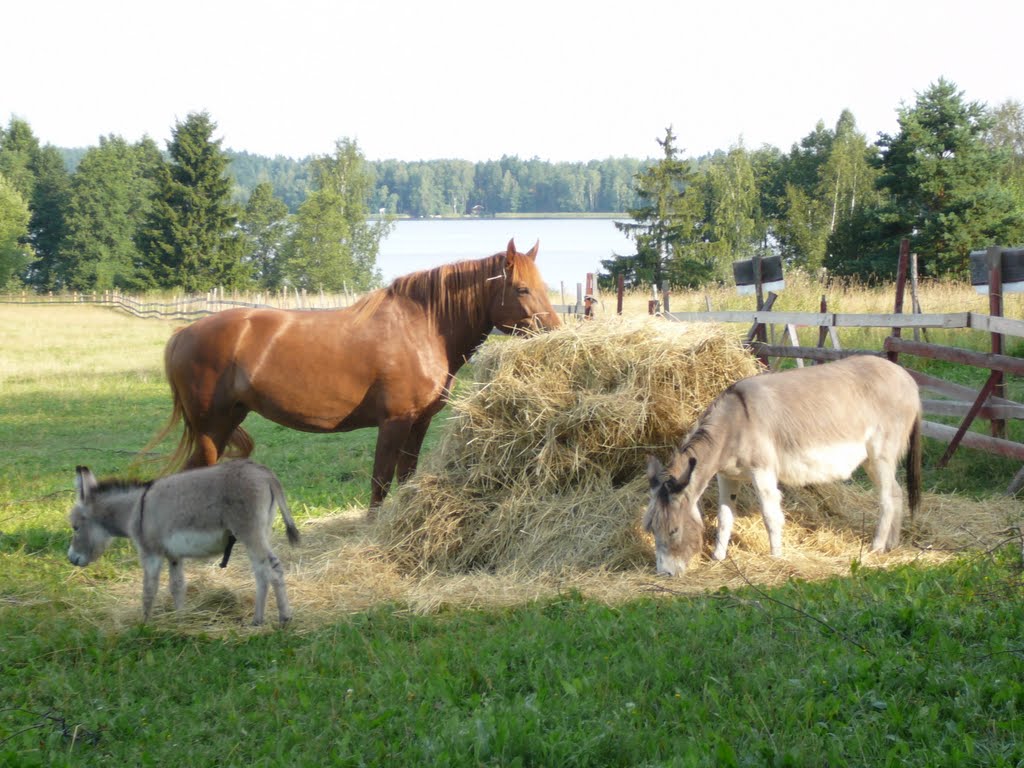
569 248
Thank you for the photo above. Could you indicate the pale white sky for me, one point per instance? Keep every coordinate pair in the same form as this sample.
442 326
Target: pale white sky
562 80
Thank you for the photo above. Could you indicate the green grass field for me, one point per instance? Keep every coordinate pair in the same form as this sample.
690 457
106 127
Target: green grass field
915 665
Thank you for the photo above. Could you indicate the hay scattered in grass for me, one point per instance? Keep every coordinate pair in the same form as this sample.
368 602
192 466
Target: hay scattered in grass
339 568
537 488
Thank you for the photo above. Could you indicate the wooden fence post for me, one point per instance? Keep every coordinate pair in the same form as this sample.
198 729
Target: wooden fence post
994 259
901 286
620 292
588 298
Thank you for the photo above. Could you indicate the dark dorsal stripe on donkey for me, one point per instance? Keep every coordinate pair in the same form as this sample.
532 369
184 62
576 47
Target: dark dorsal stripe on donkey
386 362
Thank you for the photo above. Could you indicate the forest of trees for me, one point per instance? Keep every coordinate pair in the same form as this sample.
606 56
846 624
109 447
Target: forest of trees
455 187
193 215
951 180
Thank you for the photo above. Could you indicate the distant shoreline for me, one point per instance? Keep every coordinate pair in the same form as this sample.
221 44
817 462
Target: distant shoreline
559 215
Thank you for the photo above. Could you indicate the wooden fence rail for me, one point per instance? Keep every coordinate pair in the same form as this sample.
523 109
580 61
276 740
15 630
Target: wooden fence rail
188 308
961 402
966 404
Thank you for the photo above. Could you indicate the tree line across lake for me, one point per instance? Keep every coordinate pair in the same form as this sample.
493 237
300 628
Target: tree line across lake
195 216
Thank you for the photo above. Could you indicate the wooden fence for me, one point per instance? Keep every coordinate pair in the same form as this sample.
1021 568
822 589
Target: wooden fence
953 400
956 400
188 308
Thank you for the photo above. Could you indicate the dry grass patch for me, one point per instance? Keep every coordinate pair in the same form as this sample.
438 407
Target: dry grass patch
340 567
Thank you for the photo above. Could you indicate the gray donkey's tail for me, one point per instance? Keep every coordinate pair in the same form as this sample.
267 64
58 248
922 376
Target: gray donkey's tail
277 493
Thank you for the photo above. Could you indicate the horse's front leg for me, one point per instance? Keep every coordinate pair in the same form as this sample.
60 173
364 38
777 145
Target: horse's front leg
391 437
409 455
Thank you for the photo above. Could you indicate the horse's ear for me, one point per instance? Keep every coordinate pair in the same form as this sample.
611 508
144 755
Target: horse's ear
510 255
85 483
532 253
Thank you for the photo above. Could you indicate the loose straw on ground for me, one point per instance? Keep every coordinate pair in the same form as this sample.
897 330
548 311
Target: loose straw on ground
537 486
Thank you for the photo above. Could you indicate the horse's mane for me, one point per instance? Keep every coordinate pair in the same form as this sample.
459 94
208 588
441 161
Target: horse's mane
451 290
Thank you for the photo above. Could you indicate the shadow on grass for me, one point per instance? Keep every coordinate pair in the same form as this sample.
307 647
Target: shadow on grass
42 440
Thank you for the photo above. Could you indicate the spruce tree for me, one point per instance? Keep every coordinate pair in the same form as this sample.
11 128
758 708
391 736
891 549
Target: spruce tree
943 182
661 225
190 240
38 174
111 194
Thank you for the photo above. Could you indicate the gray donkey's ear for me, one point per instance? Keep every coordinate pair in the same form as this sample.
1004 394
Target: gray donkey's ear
85 483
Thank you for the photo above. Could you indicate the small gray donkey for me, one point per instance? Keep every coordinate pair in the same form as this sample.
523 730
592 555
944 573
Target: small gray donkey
190 514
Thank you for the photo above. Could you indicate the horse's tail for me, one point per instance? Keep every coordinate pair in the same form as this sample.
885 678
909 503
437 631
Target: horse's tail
187 442
914 468
239 445
277 495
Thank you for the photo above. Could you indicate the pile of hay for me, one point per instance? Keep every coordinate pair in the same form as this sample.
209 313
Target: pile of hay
542 464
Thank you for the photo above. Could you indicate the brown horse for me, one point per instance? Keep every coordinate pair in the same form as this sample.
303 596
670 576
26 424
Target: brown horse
387 362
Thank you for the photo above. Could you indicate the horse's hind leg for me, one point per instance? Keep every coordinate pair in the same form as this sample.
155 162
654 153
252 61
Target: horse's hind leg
211 440
214 427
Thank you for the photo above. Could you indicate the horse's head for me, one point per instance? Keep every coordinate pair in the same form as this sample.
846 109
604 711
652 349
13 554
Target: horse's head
519 296
89 538
672 514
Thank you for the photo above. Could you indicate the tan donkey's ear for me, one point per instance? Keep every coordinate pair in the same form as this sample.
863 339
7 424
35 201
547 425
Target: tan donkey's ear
654 470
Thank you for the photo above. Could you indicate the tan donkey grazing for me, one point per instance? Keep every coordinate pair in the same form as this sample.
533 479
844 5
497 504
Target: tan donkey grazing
187 515
796 427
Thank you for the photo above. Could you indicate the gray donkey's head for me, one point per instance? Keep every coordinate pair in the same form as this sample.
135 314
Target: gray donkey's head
89 538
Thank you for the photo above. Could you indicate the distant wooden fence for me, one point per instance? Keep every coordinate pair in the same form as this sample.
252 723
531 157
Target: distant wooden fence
957 401
188 308
185 307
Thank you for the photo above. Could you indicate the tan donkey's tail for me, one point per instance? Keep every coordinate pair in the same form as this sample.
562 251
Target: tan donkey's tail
914 469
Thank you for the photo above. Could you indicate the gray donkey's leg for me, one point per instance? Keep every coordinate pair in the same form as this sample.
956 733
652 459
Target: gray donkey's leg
259 571
284 610
268 571
177 575
151 565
